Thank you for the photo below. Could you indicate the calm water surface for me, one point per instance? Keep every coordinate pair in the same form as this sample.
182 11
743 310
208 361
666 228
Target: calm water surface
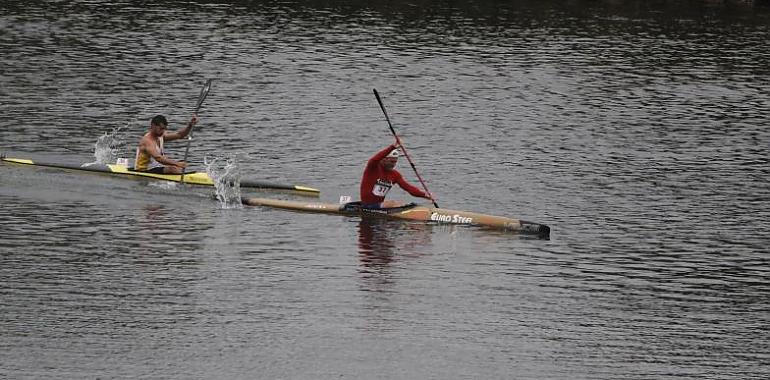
639 133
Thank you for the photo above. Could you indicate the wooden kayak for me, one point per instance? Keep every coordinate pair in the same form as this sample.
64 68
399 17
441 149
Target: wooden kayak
409 212
192 178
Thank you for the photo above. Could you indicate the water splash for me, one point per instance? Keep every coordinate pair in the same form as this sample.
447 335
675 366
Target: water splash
226 175
111 146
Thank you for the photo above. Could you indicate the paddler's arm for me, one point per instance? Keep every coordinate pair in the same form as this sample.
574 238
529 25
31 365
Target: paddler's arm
381 154
153 151
409 188
182 133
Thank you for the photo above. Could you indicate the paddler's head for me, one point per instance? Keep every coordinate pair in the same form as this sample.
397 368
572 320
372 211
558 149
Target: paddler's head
390 161
158 125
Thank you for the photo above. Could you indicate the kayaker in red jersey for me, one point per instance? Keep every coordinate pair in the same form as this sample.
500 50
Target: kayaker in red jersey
380 175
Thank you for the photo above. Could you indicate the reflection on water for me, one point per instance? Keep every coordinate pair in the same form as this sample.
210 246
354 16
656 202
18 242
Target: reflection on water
382 241
375 245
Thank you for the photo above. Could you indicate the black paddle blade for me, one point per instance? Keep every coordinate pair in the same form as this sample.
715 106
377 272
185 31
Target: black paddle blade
384 112
203 94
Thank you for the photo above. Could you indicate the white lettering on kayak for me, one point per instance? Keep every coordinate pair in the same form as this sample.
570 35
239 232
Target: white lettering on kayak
458 219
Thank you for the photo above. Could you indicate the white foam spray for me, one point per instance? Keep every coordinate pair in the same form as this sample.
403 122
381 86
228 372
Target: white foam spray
111 146
226 175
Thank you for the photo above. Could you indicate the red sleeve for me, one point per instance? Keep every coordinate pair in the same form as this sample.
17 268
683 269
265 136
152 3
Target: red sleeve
409 188
380 155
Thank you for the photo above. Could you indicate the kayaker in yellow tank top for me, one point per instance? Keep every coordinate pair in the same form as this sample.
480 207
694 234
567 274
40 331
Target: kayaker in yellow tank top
149 154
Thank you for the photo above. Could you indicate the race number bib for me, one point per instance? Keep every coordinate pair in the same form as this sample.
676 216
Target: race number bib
381 189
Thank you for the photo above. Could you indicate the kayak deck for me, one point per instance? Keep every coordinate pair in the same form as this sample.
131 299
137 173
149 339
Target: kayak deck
192 178
409 212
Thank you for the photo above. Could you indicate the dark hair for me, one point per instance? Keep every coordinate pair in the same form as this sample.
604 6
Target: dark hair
159 120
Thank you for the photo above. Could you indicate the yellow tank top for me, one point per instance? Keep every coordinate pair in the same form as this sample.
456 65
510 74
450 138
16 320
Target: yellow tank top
144 161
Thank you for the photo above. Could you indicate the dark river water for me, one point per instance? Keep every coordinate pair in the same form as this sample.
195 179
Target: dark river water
639 131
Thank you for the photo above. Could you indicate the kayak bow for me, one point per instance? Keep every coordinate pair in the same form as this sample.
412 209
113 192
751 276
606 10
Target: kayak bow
192 178
410 212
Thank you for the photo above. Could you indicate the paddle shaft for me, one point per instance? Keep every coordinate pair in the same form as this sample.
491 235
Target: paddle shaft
403 149
201 98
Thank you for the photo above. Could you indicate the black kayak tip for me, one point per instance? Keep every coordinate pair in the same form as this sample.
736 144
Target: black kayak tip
541 230
544 231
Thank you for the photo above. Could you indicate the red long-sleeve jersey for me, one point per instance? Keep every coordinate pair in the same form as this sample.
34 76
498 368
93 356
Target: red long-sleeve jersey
376 181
